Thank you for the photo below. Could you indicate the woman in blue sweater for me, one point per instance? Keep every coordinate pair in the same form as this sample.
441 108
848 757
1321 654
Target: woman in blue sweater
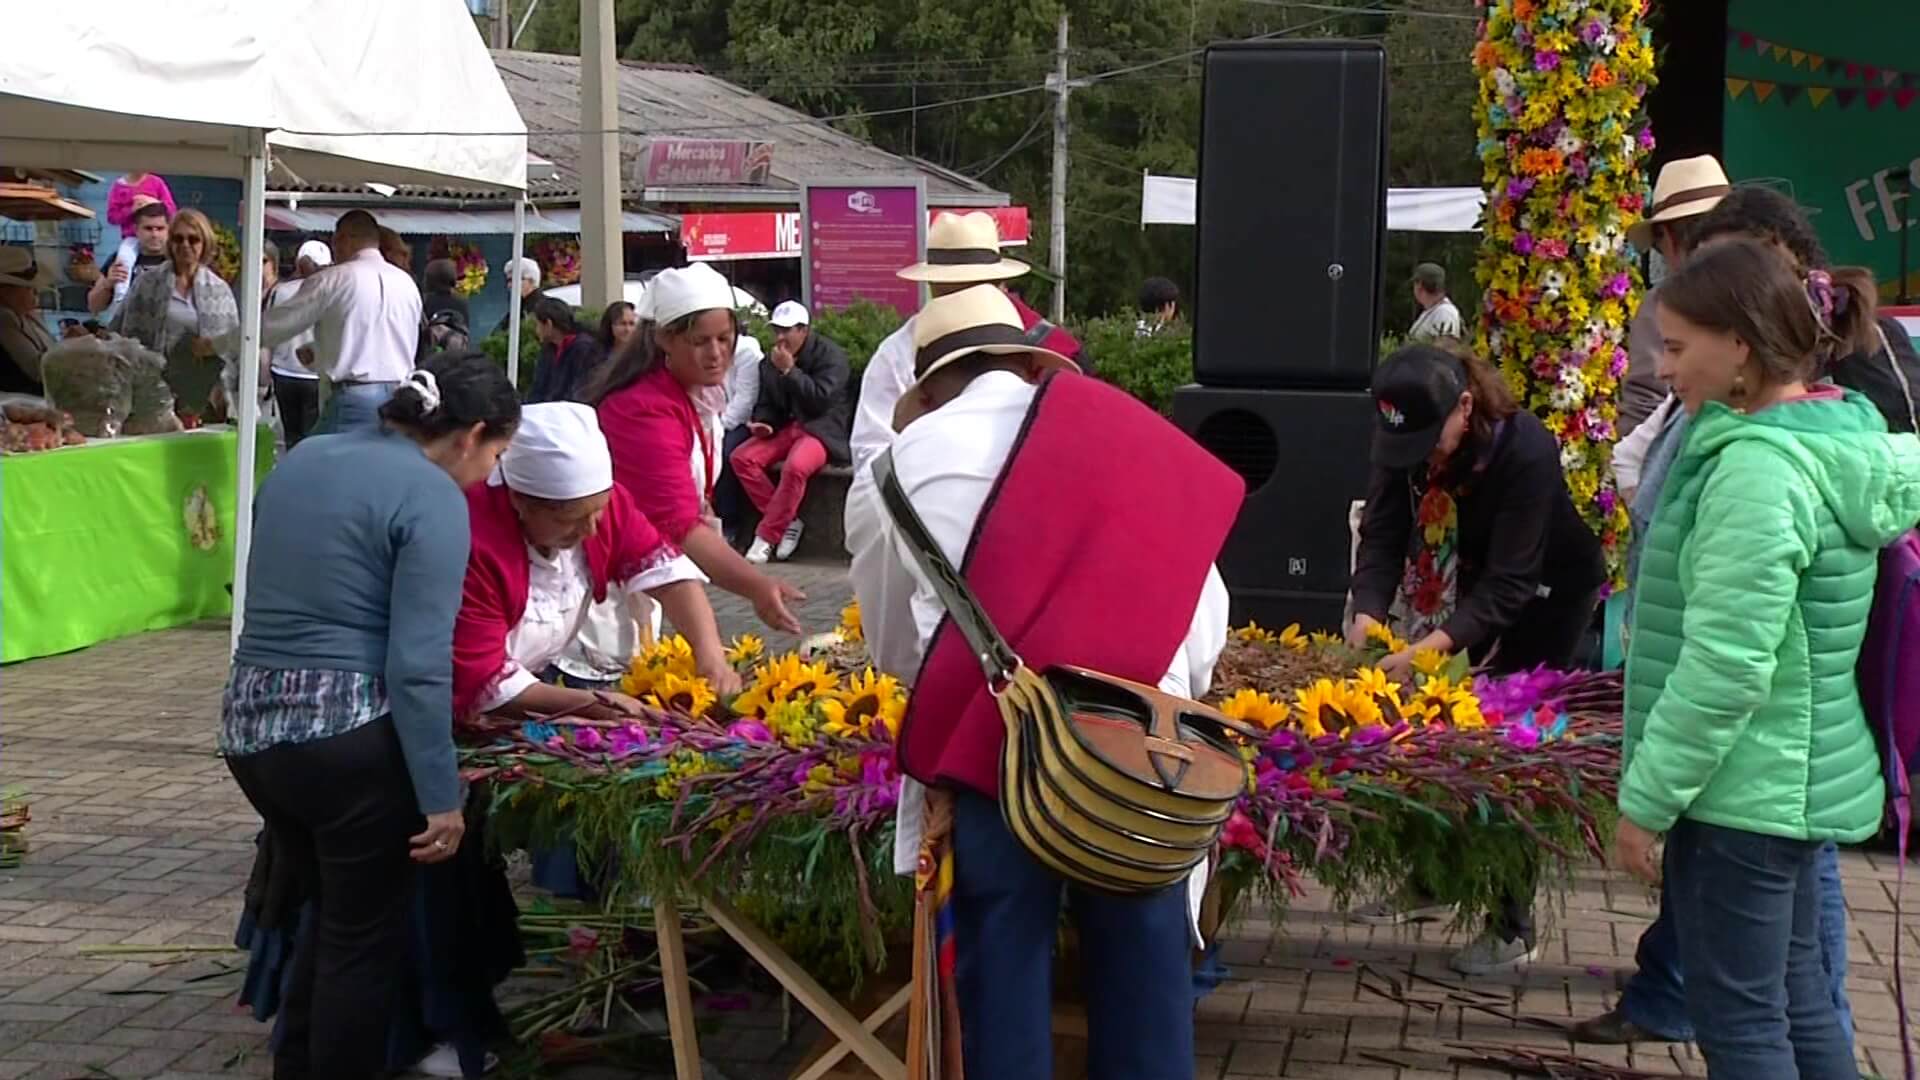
337 716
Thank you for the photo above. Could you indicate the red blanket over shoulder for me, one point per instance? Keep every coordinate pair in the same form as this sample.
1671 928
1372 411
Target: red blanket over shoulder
651 427
1081 556
494 599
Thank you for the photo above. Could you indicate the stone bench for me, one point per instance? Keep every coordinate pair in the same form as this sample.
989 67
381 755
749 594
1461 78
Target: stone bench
823 512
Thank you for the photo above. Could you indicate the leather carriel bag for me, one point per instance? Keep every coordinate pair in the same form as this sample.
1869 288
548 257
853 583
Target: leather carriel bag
1109 783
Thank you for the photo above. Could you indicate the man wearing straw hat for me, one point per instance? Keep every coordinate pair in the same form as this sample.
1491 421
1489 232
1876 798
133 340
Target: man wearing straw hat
992 437
963 250
1684 190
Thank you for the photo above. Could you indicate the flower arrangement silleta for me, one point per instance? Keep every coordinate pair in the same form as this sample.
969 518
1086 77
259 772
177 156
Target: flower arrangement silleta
224 259
783 798
469 265
1563 143
559 259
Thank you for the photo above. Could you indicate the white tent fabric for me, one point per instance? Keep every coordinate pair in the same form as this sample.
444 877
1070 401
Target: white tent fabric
1170 200
345 91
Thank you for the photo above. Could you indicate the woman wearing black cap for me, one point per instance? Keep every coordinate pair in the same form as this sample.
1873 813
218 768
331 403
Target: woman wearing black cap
1469 542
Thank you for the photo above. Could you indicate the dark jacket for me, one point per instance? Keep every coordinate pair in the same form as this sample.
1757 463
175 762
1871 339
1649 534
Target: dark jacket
562 372
436 302
1518 532
817 394
1889 377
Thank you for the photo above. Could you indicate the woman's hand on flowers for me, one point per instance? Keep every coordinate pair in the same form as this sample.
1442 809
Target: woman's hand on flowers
720 675
1637 851
1399 666
770 603
1357 630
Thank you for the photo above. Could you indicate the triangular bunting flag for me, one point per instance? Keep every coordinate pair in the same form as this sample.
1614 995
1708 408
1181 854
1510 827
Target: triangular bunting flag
1761 45
1762 91
1736 87
1746 40
1779 52
1875 97
1853 70
1872 73
1789 91
1904 98
1815 62
1797 57
1845 95
1888 78
1819 95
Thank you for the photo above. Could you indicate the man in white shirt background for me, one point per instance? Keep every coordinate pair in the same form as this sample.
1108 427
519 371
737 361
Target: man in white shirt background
364 313
296 387
963 250
1438 317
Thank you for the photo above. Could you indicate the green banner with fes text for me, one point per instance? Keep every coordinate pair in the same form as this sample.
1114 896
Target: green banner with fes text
1823 100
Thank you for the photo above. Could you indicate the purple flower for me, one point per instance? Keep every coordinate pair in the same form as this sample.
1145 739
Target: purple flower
1283 740
1618 365
1371 735
627 739
1523 243
1518 187
1524 736
1606 500
1646 138
750 730
589 739
1619 285
1546 60
1593 32
1577 165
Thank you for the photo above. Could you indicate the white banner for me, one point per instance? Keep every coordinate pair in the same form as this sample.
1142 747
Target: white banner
1170 200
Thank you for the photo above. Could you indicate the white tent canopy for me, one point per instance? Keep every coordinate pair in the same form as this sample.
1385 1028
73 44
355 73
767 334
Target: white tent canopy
341 91
1170 200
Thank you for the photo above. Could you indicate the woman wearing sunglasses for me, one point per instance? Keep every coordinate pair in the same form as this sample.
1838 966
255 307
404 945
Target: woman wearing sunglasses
169 312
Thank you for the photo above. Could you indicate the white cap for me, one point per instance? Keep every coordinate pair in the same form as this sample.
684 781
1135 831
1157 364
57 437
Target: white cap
557 453
674 294
317 251
527 269
790 314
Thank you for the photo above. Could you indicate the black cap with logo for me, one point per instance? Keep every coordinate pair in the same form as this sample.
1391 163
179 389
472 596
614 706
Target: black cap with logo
1414 390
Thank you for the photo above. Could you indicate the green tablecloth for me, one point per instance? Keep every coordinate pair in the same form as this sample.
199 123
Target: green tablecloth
116 537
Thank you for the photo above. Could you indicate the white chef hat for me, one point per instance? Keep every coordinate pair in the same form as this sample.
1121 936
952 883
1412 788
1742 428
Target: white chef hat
316 250
677 293
557 453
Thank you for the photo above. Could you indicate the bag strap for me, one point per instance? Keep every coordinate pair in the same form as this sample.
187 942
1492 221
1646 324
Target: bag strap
1039 332
996 657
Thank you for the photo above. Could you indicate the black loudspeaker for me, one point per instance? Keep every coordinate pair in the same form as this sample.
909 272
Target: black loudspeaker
1304 454
1292 212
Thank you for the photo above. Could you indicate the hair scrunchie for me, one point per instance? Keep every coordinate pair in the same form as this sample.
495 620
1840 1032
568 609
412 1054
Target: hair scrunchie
423 383
1820 298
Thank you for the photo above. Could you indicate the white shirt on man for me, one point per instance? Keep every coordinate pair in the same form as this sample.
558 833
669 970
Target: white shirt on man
1442 320
284 359
365 316
947 463
888 378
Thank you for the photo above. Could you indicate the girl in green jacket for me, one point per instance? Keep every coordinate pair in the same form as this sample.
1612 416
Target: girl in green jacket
1745 739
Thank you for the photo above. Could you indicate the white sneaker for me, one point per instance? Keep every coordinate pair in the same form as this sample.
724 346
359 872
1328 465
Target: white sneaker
1488 954
445 1061
1397 912
790 540
760 552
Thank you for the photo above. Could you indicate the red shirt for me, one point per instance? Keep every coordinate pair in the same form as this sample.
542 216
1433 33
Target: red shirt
652 428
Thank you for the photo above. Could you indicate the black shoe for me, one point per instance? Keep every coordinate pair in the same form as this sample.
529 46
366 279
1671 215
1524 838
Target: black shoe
1612 1029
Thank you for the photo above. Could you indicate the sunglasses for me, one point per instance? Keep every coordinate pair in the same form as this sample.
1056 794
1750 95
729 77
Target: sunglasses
193 240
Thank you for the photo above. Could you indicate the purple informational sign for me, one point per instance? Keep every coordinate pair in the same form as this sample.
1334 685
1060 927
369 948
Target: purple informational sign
857 237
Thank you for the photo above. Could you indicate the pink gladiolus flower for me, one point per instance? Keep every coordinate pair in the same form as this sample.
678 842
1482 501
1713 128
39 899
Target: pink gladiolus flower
627 739
1522 736
589 739
750 730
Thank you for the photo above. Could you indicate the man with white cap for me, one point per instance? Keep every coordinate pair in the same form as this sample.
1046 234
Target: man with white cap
296 386
552 535
802 412
364 315
963 250
523 281
990 443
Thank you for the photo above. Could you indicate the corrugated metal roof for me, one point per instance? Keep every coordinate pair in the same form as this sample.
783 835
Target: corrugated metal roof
415 221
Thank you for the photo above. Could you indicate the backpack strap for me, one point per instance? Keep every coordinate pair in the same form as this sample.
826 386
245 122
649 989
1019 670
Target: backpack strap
1893 361
1903 821
1039 332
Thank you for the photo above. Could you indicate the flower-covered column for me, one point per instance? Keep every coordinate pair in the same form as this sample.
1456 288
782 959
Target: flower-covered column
1563 142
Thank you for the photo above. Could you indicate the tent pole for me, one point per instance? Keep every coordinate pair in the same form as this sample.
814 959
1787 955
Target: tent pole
513 289
252 238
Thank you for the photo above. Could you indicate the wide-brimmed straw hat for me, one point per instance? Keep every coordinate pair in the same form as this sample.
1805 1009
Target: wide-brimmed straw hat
963 248
976 320
19 266
1685 188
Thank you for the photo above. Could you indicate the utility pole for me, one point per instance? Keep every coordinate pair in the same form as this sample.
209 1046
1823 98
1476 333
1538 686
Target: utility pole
502 18
600 241
1057 248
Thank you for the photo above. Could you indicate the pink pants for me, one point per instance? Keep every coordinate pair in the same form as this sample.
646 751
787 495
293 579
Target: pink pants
799 455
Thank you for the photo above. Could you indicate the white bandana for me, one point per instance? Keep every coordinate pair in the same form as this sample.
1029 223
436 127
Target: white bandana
557 453
675 294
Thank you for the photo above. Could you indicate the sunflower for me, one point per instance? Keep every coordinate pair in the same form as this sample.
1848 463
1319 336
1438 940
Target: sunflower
799 680
1256 633
1361 707
1293 639
867 698
1420 712
1321 639
1372 683
1317 703
1464 709
1430 662
746 649
1383 634
850 626
691 695
1256 708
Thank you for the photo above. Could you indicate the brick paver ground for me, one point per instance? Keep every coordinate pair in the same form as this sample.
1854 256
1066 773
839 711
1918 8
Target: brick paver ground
140 837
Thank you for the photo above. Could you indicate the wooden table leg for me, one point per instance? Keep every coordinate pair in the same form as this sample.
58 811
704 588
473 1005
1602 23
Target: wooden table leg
887 1011
807 990
673 977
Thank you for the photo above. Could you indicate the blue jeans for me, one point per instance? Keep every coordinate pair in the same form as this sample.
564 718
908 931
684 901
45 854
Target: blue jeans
1135 951
1746 909
352 407
1655 998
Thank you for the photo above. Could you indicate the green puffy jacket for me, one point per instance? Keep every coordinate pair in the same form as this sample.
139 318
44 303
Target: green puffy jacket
1754 589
